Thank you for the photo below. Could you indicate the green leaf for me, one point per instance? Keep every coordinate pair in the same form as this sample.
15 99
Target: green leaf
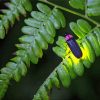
59 51
75 28
16 75
47 36
69 65
15 71
84 25
28 30
95 44
43 93
41 16
26 39
61 42
13 9
55 80
77 65
93 3
85 60
2 31
20 64
28 3
5 23
32 22
24 56
93 8
7 71
93 11
78 4
43 8
41 41
63 75
97 33
37 97
89 50
61 18
29 51
50 28
37 50
9 16
55 21
48 84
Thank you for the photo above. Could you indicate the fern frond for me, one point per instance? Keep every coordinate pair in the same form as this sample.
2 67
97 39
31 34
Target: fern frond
91 7
80 3
71 66
15 8
40 30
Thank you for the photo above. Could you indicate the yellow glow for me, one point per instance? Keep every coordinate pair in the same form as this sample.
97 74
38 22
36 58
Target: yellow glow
75 60
84 52
68 60
67 49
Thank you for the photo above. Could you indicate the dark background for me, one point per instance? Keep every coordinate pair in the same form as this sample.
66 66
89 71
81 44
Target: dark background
86 87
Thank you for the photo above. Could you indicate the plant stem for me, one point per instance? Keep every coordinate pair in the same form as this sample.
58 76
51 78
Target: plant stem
71 11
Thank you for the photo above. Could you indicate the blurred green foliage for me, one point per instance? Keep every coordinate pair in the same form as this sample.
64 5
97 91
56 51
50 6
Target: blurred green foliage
86 87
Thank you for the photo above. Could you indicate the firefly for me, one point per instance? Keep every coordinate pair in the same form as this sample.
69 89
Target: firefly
73 45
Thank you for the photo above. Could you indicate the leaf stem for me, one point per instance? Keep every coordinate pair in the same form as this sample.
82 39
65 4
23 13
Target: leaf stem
71 11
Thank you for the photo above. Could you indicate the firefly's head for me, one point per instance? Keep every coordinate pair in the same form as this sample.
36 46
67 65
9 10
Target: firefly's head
68 37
